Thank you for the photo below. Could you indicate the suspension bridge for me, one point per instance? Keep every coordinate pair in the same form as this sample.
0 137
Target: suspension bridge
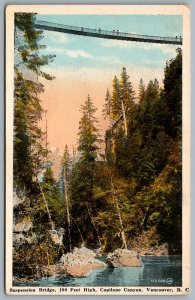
106 34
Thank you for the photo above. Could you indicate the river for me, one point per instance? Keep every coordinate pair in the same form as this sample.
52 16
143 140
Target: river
156 271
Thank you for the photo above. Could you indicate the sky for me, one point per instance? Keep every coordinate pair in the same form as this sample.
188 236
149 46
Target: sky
87 65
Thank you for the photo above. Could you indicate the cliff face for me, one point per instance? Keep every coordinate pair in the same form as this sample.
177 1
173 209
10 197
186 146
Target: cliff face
33 240
22 222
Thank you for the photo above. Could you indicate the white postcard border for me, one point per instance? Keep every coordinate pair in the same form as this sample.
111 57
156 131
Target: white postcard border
100 9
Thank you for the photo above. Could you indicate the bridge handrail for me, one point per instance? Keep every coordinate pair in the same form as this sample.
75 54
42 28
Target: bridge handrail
107 32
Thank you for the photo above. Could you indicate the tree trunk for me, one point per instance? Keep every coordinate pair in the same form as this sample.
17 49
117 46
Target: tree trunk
67 208
46 136
119 216
48 261
124 117
47 208
82 239
146 216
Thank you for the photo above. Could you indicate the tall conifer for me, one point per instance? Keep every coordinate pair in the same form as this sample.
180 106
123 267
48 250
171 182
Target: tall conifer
141 91
116 103
127 94
28 137
107 111
83 174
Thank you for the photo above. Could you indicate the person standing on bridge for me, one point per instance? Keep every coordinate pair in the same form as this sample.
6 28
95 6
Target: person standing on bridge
99 30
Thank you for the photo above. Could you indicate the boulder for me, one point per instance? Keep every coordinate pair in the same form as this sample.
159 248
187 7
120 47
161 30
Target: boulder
80 262
124 258
78 253
82 268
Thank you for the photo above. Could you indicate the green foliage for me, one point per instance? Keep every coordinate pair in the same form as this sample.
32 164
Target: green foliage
107 111
141 91
28 44
115 102
55 202
122 92
82 178
145 166
127 94
29 154
65 170
28 137
173 95
149 159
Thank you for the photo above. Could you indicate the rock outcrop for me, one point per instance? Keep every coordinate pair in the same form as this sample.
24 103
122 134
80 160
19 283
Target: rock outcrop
80 262
22 232
124 258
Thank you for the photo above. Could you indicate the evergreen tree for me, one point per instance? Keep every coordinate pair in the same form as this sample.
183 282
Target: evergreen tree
150 160
51 194
64 188
82 183
65 169
141 91
28 137
152 91
116 102
41 203
88 132
27 46
107 111
127 94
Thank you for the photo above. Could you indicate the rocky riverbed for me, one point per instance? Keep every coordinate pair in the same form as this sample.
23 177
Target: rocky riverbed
82 261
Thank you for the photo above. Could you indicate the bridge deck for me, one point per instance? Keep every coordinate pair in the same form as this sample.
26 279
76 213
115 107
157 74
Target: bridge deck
106 34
